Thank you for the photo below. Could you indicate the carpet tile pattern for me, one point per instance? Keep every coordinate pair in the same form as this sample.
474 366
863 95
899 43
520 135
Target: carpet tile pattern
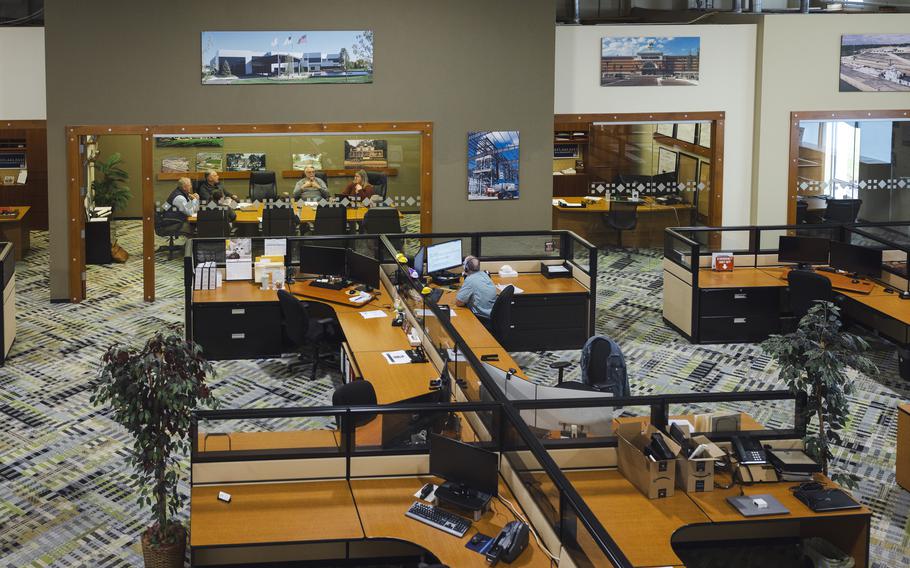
65 498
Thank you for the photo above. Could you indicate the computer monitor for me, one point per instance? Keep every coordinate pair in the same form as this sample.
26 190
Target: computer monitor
418 262
362 268
860 260
465 465
329 261
803 250
444 256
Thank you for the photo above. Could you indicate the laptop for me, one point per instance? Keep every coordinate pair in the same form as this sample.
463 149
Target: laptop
746 505
822 500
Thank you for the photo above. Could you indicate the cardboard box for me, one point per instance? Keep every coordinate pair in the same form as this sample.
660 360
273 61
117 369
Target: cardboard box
696 475
656 479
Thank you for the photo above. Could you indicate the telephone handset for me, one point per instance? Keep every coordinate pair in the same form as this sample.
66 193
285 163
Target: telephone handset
508 544
749 451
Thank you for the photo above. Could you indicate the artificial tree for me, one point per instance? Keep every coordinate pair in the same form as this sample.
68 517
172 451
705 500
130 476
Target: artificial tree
110 187
814 360
152 392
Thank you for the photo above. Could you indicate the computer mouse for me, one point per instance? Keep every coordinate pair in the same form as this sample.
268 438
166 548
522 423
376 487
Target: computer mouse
854 281
352 292
477 539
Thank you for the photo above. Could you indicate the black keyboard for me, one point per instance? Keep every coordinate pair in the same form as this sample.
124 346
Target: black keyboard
437 518
330 285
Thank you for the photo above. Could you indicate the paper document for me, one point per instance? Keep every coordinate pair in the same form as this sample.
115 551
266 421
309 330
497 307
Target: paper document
373 314
23 176
454 354
396 357
557 269
423 312
276 247
502 287
360 298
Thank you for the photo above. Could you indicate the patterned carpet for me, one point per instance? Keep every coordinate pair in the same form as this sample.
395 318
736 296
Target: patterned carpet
65 498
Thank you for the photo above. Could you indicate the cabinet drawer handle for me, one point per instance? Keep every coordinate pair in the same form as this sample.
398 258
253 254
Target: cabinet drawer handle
741 296
238 336
238 311
739 320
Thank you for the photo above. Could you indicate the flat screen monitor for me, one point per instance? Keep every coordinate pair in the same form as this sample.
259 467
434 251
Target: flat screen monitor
322 261
444 256
362 268
418 262
463 464
803 250
857 259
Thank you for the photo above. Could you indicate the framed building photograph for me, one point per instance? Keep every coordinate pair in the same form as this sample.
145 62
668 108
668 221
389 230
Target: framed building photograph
366 154
685 131
175 165
188 141
209 161
649 61
875 62
493 164
286 57
301 161
666 161
245 162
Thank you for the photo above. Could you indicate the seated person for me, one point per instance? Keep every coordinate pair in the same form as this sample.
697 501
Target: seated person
219 200
182 204
310 187
360 188
209 184
477 291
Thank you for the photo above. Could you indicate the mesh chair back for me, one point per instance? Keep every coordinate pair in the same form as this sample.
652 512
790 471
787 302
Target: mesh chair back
263 186
330 220
212 223
356 393
802 212
842 210
380 183
322 176
295 316
278 220
381 221
623 215
166 226
805 288
501 315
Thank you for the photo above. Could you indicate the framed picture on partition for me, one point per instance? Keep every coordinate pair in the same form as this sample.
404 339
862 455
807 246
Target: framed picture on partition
665 129
493 165
666 161
685 131
704 134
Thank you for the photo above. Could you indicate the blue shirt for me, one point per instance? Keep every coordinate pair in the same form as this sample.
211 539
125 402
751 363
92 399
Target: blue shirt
478 292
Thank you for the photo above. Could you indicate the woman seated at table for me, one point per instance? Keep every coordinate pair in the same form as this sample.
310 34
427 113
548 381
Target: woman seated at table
310 187
360 188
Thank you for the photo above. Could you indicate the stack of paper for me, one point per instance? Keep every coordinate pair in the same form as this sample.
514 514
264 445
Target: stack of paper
360 298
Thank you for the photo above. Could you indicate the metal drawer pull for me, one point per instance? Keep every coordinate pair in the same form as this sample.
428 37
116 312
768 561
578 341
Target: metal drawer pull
238 335
742 296
739 320
238 311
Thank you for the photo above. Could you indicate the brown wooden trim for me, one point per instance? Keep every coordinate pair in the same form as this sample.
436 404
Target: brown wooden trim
297 174
22 124
426 180
199 175
793 161
102 129
716 207
76 213
564 119
686 147
148 220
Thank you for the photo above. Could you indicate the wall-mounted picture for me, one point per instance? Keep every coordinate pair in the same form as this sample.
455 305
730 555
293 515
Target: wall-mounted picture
366 154
175 165
189 141
875 62
246 162
665 129
666 161
493 164
685 131
301 161
209 161
649 61
286 57
704 134
687 170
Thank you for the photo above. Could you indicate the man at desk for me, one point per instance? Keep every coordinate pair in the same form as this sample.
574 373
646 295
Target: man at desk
477 291
182 204
211 183
310 187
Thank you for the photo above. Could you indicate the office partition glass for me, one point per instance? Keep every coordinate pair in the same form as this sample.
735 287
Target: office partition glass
238 433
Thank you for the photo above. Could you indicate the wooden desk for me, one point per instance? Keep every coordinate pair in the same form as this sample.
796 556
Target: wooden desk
376 334
7 300
653 218
839 282
382 503
284 440
340 300
262 513
15 230
739 278
394 383
903 446
252 213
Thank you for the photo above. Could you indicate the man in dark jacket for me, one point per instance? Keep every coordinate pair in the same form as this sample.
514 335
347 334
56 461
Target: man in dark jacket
211 183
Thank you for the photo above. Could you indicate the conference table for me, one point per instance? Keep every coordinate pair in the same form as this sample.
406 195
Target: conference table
251 213
652 219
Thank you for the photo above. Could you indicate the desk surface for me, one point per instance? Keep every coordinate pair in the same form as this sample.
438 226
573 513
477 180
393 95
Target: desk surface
246 291
21 211
252 213
394 383
646 205
738 278
282 440
273 513
382 503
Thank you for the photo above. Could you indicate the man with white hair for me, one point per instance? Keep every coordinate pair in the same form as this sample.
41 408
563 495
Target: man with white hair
477 291
310 187
182 203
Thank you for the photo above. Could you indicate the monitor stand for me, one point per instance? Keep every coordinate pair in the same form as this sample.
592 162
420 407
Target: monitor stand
444 277
462 497
805 266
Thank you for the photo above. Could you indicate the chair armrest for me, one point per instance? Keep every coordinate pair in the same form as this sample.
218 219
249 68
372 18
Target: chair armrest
325 321
560 364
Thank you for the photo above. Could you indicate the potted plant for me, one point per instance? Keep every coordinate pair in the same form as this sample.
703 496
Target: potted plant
815 360
152 392
110 190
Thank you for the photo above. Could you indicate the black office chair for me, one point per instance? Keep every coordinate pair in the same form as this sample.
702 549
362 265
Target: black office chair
263 186
622 216
500 321
381 221
304 330
805 288
331 220
322 176
380 183
842 210
596 354
279 220
212 223
356 393
802 212
169 228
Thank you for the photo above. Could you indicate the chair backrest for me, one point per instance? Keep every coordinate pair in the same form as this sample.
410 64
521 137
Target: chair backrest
802 211
295 316
263 185
842 210
322 176
356 393
212 223
603 366
380 183
623 215
278 220
330 220
166 226
805 288
501 315
381 221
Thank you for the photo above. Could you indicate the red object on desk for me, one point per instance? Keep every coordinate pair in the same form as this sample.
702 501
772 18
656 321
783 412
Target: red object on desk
722 262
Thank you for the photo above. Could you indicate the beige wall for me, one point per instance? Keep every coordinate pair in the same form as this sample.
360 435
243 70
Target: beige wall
799 71
462 64
726 83
22 74
130 148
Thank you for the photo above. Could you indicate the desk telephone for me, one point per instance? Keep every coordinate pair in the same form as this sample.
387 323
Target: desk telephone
749 451
508 544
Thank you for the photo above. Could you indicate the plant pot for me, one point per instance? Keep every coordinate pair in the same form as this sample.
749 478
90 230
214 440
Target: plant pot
164 556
